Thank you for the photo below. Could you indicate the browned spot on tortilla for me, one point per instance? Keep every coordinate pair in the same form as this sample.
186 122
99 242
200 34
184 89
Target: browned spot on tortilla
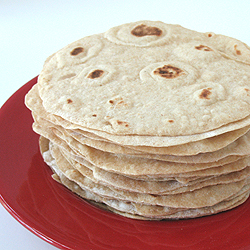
76 51
205 93
170 121
247 89
94 115
154 195
209 35
96 74
168 71
144 30
118 102
203 47
69 101
122 103
122 123
238 52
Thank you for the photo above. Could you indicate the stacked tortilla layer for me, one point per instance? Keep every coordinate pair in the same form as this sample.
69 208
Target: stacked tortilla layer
148 120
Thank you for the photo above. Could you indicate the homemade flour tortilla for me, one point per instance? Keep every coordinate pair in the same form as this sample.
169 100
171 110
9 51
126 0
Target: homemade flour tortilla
206 196
79 146
34 102
156 187
234 151
151 211
193 148
148 120
136 166
186 72
207 145
153 187
130 211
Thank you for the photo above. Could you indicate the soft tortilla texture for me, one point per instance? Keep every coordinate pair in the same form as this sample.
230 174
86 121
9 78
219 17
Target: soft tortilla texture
142 211
206 196
135 166
200 88
148 120
34 102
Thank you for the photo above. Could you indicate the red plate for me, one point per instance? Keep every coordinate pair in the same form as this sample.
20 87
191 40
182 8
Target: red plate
53 213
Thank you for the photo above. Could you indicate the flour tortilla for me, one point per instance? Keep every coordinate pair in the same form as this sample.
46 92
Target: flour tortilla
200 89
207 145
132 213
151 144
134 166
81 149
159 141
207 196
151 211
193 148
155 187
152 187
233 151
148 120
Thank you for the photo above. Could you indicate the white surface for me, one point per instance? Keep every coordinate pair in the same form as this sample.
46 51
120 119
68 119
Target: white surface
32 30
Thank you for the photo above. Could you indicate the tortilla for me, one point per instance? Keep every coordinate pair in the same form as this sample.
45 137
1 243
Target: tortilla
148 120
195 82
148 211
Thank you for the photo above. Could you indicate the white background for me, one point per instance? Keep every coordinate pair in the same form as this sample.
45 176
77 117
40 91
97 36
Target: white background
32 30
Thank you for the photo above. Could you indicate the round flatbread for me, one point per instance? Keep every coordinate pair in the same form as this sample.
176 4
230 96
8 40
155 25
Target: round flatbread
173 82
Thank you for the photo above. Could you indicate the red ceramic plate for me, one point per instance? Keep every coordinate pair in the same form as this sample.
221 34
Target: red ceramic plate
53 213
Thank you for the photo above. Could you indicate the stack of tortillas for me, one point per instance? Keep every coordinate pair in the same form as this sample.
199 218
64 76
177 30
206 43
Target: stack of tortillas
149 120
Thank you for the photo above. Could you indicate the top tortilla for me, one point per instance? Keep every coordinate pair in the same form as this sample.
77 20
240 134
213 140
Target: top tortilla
149 78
